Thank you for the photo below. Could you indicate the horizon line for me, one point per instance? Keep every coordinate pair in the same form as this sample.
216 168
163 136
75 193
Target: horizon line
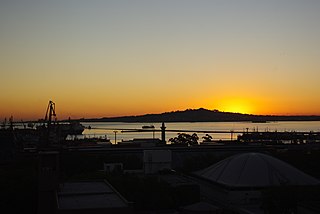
173 111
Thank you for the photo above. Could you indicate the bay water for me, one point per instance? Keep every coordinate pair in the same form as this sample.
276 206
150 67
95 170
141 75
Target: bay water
116 130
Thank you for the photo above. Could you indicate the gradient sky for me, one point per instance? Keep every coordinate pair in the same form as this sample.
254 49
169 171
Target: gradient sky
108 58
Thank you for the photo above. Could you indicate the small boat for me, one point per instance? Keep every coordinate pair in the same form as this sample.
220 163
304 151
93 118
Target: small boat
148 127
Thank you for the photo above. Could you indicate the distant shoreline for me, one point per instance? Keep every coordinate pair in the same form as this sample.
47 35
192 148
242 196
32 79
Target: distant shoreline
201 115
273 121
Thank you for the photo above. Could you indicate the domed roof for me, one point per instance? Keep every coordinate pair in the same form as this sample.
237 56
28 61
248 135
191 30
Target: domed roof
255 170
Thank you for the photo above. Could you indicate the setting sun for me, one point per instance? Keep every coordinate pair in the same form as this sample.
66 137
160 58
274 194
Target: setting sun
237 106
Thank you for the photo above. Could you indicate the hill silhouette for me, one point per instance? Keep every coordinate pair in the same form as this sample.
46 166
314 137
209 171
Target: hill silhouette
202 115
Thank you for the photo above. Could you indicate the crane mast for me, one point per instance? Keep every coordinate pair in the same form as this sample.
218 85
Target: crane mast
51 112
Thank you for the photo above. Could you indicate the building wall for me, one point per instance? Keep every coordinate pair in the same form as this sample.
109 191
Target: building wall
156 160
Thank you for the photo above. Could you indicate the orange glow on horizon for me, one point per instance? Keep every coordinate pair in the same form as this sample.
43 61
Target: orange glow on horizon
90 109
233 107
234 103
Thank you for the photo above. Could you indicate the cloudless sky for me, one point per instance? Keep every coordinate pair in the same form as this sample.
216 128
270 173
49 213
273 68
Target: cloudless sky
108 58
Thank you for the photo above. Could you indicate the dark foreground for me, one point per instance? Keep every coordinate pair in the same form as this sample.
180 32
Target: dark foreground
19 178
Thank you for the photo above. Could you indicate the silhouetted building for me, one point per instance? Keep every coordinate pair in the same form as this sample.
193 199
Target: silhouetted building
309 207
110 168
183 190
97 197
141 142
156 160
200 208
7 150
48 180
255 170
242 181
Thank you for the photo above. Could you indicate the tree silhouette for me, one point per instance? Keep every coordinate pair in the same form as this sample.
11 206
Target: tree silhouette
207 138
184 138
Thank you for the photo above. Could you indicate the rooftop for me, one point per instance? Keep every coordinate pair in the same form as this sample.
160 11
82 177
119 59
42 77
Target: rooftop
89 195
255 170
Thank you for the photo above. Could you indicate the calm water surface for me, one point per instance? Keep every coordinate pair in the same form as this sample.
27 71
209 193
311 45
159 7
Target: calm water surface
102 129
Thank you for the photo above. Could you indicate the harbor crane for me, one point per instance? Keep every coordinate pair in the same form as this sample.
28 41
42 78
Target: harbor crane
51 112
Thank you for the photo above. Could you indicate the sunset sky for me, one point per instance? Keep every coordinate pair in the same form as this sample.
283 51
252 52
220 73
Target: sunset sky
97 58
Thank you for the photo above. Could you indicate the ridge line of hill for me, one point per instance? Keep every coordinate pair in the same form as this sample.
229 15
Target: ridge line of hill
202 115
